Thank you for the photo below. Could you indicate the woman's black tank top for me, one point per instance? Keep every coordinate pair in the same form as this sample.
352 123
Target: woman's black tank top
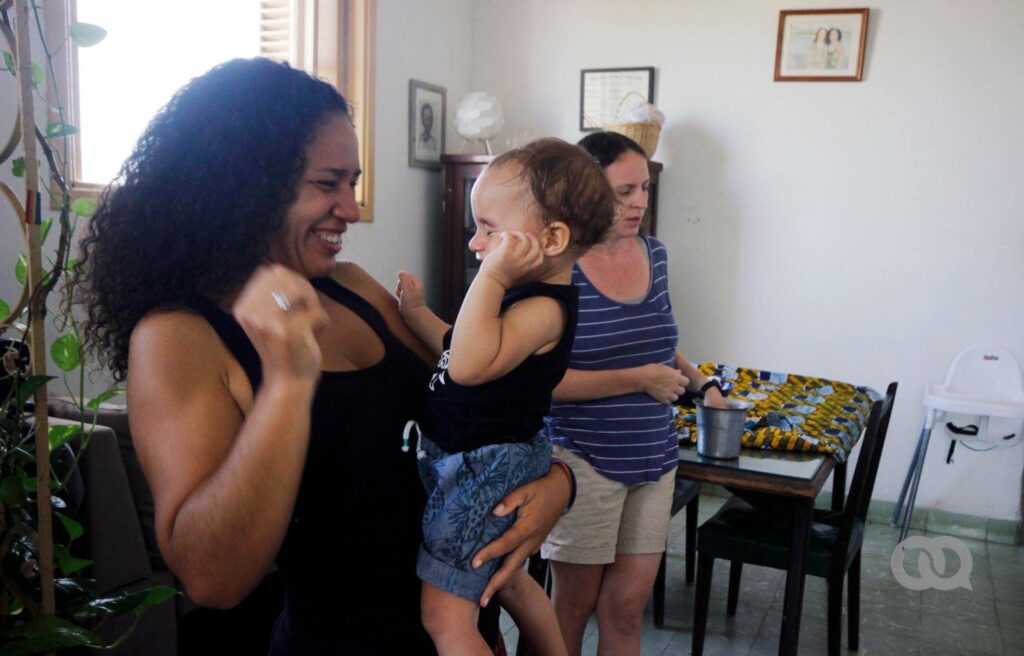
349 558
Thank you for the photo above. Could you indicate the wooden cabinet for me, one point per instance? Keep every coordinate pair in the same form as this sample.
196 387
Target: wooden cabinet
458 264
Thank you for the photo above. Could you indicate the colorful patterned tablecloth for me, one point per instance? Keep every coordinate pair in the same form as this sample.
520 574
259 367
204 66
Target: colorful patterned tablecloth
791 412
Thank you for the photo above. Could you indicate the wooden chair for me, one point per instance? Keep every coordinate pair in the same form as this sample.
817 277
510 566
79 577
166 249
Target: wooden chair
686 495
739 534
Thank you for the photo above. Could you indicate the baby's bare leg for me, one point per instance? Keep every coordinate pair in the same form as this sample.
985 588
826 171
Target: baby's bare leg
451 622
531 609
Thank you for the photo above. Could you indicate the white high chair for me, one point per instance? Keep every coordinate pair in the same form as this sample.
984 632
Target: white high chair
983 381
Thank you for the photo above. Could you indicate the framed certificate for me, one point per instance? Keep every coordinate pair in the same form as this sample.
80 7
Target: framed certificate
603 90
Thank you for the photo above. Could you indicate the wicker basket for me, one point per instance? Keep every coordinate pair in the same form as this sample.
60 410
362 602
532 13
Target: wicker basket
644 133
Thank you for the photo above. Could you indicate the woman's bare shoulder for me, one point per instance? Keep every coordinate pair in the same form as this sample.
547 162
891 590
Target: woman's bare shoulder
354 278
173 329
176 354
178 345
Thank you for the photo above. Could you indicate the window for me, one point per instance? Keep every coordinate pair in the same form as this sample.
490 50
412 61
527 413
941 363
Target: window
156 47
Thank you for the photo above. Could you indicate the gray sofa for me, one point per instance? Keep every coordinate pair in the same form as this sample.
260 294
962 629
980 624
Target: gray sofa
117 512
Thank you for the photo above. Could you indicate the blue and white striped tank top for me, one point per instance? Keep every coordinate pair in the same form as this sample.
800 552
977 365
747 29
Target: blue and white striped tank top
628 438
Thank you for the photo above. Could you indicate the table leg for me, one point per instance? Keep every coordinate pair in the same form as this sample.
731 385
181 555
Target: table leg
839 487
803 512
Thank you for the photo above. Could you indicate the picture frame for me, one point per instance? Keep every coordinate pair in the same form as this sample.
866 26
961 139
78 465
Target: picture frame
427 118
602 91
821 45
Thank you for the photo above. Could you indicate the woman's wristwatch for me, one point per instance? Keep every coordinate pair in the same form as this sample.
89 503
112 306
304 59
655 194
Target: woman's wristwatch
708 385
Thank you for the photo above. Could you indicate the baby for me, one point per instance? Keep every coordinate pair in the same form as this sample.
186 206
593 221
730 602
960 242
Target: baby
537 209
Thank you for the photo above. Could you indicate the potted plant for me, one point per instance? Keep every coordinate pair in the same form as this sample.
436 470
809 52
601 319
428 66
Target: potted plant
46 601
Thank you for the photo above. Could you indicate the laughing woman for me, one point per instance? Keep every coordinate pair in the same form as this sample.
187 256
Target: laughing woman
268 384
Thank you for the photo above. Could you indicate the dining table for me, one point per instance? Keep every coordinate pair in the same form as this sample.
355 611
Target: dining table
800 430
793 480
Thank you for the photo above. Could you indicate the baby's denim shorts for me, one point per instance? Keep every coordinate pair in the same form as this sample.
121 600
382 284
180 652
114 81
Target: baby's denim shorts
462 490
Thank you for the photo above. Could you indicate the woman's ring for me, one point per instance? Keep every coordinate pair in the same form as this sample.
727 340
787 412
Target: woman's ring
282 301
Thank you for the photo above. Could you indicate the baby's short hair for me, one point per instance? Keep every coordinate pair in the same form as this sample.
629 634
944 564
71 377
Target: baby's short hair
567 185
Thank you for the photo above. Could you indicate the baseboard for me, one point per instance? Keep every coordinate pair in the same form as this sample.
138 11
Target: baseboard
999 531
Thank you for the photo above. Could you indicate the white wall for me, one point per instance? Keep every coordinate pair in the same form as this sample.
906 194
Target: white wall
430 42
861 231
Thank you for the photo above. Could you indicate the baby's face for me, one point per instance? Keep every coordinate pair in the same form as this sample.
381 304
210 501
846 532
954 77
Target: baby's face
501 202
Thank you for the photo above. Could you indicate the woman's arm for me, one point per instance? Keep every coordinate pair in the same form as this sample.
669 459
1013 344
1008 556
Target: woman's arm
539 505
662 383
224 467
713 395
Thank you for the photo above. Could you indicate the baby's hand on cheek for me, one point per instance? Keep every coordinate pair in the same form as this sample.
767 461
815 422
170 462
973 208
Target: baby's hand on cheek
517 257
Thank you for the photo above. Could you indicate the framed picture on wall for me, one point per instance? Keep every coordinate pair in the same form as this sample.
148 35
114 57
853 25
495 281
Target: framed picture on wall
821 45
603 90
426 124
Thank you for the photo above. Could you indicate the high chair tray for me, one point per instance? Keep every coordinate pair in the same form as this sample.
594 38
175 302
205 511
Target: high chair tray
939 398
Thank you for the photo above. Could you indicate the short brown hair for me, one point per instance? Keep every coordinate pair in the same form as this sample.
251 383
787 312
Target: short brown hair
567 185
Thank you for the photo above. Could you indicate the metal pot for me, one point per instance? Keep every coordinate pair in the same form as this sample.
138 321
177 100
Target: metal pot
719 430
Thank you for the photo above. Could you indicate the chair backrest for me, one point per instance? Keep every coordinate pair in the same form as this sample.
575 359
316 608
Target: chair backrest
863 482
986 372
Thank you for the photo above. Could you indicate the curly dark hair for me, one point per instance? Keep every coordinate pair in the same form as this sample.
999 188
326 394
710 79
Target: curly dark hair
567 185
194 207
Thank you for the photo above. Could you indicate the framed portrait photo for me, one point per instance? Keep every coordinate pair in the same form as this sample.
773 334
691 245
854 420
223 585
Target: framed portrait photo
821 45
602 91
426 124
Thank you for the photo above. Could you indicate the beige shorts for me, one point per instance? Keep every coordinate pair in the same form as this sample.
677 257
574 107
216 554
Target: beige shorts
609 517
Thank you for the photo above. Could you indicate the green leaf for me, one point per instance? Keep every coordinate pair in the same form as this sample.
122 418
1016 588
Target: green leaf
5 309
54 130
12 492
20 269
46 634
66 352
18 167
84 207
86 35
29 482
44 229
9 61
67 563
61 434
96 402
73 528
38 76
29 387
157 595
126 602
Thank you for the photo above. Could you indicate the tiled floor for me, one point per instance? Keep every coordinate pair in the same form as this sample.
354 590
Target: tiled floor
987 620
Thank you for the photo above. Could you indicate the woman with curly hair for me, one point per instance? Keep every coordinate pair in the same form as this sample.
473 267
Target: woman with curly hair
268 383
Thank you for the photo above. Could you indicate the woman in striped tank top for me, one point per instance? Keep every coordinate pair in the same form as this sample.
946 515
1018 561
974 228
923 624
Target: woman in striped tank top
612 419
